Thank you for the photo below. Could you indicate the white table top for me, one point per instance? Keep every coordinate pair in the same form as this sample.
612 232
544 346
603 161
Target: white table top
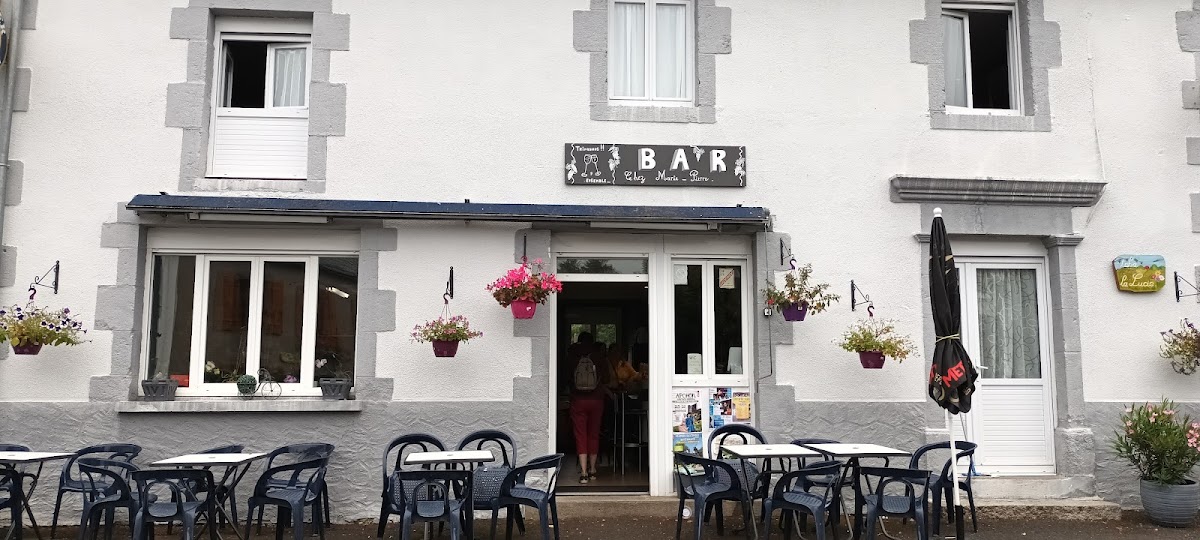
205 460
769 451
458 456
857 450
32 457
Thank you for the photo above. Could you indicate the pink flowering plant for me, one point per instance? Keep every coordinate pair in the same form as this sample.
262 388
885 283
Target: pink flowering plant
526 282
1182 347
1160 443
455 328
33 325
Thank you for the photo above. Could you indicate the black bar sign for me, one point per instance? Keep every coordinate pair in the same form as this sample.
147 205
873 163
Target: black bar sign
655 165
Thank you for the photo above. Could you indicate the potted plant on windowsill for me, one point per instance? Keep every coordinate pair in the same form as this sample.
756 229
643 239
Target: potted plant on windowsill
875 340
29 328
337 385
159 388
523 288
798 297
445 333
247 385
1182 348
1163 446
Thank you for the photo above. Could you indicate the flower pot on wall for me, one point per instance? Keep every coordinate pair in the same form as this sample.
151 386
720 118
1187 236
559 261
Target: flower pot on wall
335 388
794 312
871 359
445 349
28 348
1170 505
159 390
523 309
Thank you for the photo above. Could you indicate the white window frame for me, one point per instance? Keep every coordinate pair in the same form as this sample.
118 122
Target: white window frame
961 10
649 98
709 375
278 34
197 387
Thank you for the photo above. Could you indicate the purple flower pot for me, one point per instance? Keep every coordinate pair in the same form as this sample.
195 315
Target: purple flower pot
793 312
445 349
523 309
28 348
871 359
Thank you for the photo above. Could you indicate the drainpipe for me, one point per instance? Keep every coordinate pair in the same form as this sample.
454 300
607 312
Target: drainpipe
6 104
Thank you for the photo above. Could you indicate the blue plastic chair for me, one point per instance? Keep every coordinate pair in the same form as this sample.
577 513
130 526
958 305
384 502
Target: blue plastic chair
807 491
105 490
296 453
708 482
516 491
22 473
911 502
436 497
69 480
393 488
488 477
751 479
291 488
184 487
9 479
943 483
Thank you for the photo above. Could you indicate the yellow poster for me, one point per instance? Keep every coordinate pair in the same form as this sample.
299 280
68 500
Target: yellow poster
741 406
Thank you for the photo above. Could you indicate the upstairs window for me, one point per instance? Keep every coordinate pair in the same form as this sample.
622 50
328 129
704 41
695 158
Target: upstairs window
983 68
651 52
260 124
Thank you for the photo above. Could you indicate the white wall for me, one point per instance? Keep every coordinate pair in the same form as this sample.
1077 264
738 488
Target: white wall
474 99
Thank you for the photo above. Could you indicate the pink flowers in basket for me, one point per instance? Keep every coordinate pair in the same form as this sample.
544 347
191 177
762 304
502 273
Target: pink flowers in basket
524 287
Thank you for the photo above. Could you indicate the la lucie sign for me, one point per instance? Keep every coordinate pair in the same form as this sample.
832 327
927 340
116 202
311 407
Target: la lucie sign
1140 273
654 165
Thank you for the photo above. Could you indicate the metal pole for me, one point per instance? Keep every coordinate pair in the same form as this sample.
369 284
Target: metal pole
959 530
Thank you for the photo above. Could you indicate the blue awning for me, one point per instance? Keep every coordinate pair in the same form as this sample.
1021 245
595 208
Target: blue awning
344 208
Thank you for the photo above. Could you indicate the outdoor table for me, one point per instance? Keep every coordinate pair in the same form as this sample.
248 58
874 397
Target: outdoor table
746 452
231 462
454 457
13 459
852 453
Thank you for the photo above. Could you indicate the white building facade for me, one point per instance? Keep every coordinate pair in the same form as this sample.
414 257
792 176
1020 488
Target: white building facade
235 185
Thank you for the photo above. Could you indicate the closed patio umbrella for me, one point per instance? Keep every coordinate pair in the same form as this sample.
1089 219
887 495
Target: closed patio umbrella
952 377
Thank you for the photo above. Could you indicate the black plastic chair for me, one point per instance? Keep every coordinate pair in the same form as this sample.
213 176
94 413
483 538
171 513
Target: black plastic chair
708 482
794 494
23 474
913 502
69 480
488 477
943 483
9 480
184 487
753 480
393 488
516 491
297 453
290 488
105 490
436 496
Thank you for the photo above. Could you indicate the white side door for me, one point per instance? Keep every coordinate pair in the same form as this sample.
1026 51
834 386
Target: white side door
1005 328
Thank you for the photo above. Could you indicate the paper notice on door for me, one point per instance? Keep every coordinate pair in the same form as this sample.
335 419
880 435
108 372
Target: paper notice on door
725 278
695 363
681 274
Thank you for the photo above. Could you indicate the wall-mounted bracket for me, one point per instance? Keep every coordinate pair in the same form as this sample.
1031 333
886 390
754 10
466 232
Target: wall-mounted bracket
1179 296
855 294
38 281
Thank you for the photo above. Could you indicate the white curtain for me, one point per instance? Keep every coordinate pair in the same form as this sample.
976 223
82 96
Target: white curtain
290 77
954 29
671 51
1010 336
627 52
167 287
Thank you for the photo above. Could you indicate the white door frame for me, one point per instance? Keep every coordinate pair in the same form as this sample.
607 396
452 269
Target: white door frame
969 324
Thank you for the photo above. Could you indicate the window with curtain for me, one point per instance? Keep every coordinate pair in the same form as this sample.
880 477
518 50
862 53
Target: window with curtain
650 53
1009 329
982 57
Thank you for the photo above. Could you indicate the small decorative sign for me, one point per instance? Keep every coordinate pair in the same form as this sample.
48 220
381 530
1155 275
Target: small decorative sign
1140 273
655 165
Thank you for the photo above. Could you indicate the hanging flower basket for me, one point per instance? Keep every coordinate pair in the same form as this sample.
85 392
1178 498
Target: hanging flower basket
871 359
524 287
445 333
1182 348
29 328
798 297
874 340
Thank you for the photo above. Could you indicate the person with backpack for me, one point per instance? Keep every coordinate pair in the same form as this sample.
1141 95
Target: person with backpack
590 377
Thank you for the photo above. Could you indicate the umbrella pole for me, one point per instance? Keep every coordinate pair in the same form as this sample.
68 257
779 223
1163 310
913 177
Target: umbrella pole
959 530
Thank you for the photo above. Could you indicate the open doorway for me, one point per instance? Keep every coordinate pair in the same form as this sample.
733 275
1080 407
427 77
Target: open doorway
607 322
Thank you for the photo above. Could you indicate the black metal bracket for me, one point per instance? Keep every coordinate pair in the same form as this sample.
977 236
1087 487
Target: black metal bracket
785 253
1179 296
37 281
446 296
855 292
525 249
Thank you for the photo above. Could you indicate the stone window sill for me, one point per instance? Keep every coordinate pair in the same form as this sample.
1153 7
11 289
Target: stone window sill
702 114
241 405
989 122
